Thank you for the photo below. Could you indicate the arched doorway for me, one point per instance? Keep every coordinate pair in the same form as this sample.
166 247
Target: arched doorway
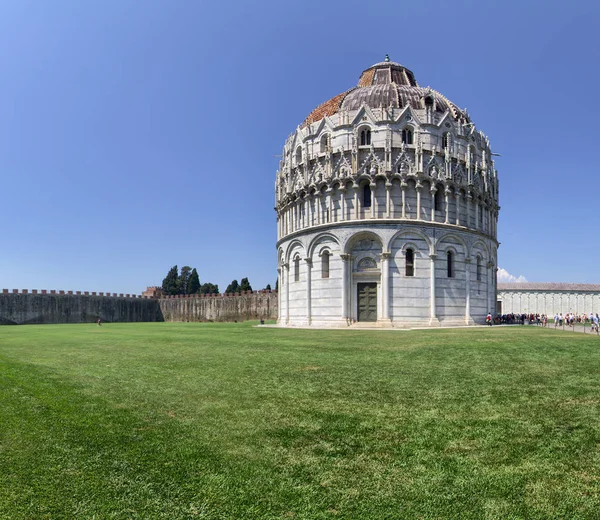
366 278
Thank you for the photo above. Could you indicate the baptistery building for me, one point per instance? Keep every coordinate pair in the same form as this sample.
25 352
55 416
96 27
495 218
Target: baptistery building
387 209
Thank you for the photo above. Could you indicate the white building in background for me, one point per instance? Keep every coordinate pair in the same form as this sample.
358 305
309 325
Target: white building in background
387 208
548 298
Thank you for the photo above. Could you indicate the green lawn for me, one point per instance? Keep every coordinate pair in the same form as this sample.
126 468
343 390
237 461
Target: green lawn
165 420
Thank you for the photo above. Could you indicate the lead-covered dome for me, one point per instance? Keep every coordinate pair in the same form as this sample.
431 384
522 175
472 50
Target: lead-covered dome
383 85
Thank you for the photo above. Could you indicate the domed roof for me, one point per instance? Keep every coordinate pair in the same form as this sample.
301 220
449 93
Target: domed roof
386 84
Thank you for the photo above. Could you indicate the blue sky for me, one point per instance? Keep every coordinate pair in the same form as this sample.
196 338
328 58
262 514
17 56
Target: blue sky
139 135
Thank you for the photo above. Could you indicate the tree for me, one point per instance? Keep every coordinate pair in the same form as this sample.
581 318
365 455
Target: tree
194 282
245 285
209 288
277 284
184 279
170 283
233 287
268 287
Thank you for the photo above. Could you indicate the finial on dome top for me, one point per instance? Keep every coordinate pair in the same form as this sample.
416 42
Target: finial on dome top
387 58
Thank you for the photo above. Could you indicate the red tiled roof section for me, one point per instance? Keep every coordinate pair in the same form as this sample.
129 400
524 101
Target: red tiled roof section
549 286
326 109
366 78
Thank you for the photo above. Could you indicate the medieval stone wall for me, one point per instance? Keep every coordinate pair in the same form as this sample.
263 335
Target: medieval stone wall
28 308
39 307
246 306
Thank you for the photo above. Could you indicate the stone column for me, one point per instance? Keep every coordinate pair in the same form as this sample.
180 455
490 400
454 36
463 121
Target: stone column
403 188
477 217
385 286
319 203
287 293
345 289
432 310
433 191
343 203
356 210
457 196
294 216
388 199
469 199
468 291
373 187
329 204
447 206
279 293
418 188
308 290
488 281
284 222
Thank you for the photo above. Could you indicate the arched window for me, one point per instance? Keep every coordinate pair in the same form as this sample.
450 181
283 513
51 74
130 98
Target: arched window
450 264
478 268
409 263
298 155
407 136
297 269
438 198
365 137
429 101
323 145
325 264
446 140
366 196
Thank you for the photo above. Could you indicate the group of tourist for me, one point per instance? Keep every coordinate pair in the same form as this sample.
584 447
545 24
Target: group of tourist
570 319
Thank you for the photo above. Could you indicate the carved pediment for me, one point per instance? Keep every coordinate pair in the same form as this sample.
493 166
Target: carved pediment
404 163
372 165
343 167
367 263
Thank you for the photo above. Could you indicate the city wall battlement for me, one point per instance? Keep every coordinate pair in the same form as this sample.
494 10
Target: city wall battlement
69 293
26 306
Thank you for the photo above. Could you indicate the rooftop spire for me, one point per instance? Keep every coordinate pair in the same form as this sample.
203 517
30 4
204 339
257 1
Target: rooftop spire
387 58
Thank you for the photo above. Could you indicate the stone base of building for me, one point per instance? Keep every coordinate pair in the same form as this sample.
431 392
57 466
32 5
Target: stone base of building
419 323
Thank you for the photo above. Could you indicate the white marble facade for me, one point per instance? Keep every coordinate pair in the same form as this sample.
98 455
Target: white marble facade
387 207
548 298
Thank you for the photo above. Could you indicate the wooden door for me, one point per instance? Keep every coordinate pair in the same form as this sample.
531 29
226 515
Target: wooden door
367 301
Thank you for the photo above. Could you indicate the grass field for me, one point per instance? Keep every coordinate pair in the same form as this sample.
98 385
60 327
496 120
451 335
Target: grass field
163 420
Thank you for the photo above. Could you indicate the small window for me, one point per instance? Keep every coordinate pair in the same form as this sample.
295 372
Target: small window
323 145
367 196
410 262
446 140
325 264
478 268
298 155
407 136
450 260
437 199
429 101
297 269
365 137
